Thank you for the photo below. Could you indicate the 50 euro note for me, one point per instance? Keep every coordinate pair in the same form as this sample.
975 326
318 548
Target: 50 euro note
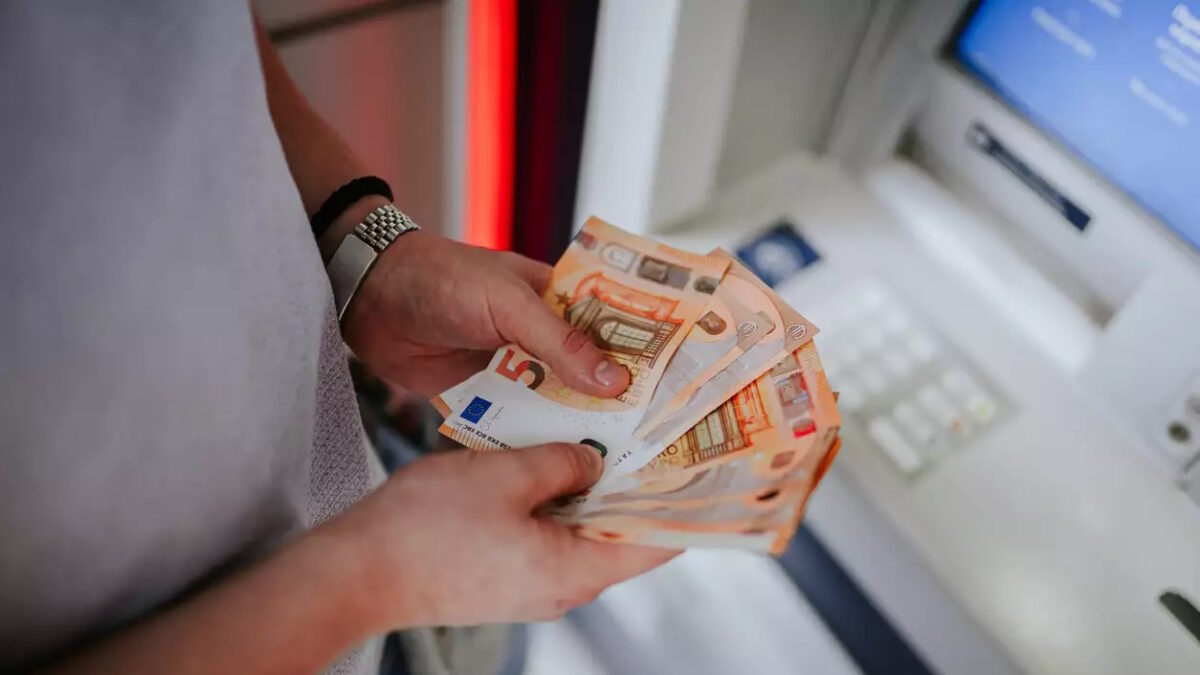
747 489
636 299
765 438
738 316
654 437
787 406
764 523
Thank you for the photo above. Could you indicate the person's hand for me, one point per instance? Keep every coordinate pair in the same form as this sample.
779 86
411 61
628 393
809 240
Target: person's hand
453 539
433 311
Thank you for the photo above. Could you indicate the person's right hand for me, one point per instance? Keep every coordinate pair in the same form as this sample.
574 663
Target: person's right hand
453 540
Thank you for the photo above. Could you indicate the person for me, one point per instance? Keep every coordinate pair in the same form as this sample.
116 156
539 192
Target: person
184 485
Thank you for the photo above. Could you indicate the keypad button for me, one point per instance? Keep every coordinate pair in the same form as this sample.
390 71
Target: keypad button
850 394
852 353
923 347
934 400
982 408
935 443
907 412
960 427
926 436
873 339
892 442
899 364
960 383
913 422
873 378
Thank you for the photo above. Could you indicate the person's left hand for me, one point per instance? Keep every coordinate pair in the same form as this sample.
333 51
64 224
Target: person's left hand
433 311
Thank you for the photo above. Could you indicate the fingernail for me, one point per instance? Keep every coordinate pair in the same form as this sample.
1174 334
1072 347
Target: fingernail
595 445
595 456
607 373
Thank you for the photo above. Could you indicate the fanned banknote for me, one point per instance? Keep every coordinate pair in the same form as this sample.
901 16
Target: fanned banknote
652 438
758 442
738 316
637 300
781 408
728 424
751 498
766 525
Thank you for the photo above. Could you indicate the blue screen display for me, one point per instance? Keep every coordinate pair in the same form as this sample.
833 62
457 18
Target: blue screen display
1116 81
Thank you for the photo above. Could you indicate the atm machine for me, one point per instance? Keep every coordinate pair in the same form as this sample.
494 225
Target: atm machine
992 210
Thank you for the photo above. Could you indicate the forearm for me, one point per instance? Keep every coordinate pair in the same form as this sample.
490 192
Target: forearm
318 158
293 612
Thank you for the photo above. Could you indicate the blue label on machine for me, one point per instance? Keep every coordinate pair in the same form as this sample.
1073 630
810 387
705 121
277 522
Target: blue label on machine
778 254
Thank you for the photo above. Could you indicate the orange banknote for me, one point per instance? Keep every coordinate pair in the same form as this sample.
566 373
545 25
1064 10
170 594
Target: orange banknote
785 406
637 300
655 437
727 427
758 441
738 316
763 522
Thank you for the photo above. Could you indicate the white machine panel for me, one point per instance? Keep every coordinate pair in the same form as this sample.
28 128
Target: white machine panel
1050 528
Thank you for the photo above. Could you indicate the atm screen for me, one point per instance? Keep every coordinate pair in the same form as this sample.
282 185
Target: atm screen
1115 81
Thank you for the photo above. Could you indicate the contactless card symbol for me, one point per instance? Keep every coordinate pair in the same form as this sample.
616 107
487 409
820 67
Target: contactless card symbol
476 409
778 254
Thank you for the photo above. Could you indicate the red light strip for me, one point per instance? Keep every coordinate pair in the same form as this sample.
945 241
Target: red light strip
491 116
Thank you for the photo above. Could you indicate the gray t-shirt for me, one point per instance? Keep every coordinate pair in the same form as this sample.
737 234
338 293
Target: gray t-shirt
174 399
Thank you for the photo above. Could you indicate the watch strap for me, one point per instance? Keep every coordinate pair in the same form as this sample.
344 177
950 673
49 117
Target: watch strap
382 226
357 253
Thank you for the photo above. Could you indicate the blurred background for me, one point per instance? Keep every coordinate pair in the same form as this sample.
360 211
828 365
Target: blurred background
989 208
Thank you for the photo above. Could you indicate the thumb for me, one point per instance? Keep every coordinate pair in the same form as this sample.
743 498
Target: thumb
568 351
541 473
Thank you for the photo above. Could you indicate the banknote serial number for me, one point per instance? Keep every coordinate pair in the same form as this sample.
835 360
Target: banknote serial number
487 437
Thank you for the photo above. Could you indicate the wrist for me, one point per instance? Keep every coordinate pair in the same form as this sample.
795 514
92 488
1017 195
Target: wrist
376 296
349 563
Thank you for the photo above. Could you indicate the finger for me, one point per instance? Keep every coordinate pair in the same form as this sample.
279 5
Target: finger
569 352
536 475
606 563
532 272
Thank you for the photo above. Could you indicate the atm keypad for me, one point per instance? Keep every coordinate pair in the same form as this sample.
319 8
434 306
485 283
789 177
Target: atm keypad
916 397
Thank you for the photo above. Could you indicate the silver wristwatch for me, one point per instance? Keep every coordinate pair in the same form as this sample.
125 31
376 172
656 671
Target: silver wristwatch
360 249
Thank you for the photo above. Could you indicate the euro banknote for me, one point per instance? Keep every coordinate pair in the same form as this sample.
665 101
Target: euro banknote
775 321
651 438
763 518
637 300
765 525
738 317
728 424
765 438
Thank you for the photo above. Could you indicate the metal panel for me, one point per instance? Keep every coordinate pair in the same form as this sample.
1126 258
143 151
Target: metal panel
795 59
